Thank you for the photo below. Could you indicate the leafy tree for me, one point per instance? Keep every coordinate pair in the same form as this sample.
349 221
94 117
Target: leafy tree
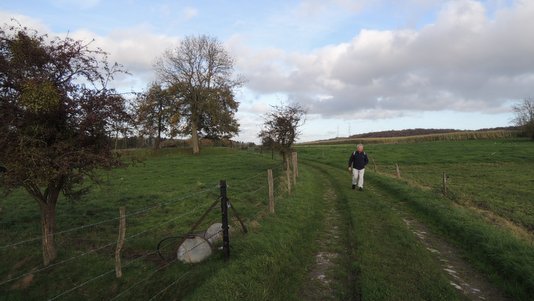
56 117
155 113
199 73
524 116
281 128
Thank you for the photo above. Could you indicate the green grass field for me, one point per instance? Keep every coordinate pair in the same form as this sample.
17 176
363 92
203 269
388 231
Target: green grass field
380 259
165 194
488 175
497 175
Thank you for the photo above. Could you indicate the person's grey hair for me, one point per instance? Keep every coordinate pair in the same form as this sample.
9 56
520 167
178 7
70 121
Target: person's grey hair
357 146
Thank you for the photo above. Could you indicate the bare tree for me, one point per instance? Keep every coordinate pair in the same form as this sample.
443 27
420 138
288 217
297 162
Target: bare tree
524 116
199 73
281 127
56 119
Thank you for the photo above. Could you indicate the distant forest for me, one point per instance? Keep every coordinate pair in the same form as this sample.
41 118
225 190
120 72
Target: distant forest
418 132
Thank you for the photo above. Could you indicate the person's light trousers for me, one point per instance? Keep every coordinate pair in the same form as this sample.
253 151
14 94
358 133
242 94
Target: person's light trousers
357 177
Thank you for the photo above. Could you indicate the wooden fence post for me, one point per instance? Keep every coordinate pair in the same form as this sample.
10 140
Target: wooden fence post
295 167
374 164
271 190
444 184
398 170
288 174
120 241
296 163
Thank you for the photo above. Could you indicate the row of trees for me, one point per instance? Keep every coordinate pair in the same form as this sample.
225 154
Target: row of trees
58 114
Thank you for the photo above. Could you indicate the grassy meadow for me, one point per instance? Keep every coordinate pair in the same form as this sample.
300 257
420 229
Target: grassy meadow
379 257
495 175
164 195
490 181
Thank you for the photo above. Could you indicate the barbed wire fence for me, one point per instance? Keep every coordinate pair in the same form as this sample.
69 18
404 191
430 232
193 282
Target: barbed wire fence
256 188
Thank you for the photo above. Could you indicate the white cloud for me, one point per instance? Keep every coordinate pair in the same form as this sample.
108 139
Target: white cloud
7 17
135 48
465 61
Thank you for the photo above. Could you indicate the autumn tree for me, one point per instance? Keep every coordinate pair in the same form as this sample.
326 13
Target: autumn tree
199 73
56 118
281 127
155 112
524 116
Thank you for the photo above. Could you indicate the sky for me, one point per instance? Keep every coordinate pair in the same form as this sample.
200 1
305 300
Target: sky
356 65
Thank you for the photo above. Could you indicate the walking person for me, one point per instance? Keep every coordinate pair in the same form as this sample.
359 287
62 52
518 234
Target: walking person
357 161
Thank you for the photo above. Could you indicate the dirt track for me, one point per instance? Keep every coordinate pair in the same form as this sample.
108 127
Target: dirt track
324 282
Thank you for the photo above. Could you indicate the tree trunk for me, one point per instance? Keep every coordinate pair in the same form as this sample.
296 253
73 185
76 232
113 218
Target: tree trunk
48 226
47 205
194 138
156 144
158 138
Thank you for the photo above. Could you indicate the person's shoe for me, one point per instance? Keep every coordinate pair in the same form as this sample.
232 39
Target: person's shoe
353 186
360 189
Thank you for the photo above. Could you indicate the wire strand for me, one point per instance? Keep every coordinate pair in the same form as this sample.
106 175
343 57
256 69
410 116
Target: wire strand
144 279
97 249
146 209
100 276
167 287
161 268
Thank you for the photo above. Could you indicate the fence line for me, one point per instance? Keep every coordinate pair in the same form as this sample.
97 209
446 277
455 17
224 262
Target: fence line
100 276
126 265
140 211
159 269
277 181
170 262
248 183
143 210
97 249
144 279
174 260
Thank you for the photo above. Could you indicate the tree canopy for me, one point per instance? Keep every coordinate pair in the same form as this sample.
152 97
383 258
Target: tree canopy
199 74
156 113
281 127
56 117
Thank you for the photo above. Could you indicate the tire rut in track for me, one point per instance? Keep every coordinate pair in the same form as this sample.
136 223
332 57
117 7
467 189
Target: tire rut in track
462 276
330 277
321 284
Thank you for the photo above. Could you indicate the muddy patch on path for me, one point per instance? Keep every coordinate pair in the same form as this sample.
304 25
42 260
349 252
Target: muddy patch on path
461 275
321 283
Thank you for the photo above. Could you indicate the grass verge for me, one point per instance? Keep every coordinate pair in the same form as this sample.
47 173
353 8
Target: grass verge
507 261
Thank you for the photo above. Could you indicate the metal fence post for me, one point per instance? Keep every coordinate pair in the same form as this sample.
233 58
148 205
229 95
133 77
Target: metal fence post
224 210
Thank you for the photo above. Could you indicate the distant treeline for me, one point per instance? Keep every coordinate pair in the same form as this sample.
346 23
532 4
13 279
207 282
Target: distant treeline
433 136
419 132
148 142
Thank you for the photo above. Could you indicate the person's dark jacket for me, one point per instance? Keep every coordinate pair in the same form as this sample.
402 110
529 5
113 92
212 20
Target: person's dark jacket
358 160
